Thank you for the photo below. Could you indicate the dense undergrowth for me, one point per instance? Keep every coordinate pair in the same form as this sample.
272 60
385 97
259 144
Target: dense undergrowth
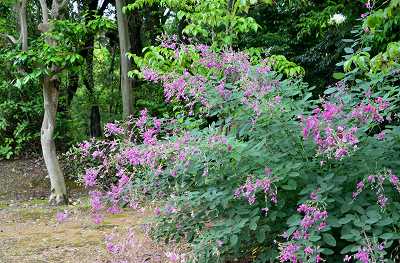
252 167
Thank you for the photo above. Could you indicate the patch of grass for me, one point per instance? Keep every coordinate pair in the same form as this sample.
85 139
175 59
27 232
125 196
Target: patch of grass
36 213
3 205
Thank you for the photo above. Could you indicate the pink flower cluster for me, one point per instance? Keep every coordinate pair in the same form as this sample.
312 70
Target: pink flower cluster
333 130
298 248
124 247
232 72
250 188
120 159
112 129
372 252
62 216
376 183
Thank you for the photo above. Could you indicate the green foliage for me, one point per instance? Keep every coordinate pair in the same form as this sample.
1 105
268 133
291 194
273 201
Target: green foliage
382 25
280 64
219 22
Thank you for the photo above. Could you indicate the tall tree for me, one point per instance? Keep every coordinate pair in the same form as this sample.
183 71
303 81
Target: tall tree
124 46
92 9
51 85
23 25
20 8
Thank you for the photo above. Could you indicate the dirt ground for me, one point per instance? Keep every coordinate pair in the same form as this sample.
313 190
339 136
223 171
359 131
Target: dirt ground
29 231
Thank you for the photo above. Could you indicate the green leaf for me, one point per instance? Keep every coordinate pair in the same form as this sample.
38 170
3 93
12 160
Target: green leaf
234 240
348 50
330 90
329 239
315 238
253 223
387 236
327 251
338 75
260 236
294 220
291 185
349 248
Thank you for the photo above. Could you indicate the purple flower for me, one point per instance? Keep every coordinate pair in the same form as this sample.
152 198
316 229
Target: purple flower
149 137
142 119
340 152
288 253
382 200
314 196
330 110
172 256
114 209
219 243
157 211
113 129
381 246
308 250
362 255
61 216
95 200
90 177
380 136
394 180
150 75
97 218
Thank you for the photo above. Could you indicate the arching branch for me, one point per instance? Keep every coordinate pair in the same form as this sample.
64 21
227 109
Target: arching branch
10 38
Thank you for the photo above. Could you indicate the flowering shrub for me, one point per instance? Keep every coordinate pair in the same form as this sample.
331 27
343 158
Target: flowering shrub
299 243
245 149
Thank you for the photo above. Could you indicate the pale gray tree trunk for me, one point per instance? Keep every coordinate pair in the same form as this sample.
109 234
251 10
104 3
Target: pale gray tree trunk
124 46
58 193
23 24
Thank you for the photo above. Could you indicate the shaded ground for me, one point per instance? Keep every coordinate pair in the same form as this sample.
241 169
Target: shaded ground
29 231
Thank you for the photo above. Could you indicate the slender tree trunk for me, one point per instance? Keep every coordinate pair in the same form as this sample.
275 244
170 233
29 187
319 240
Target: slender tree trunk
124 46
91 8
88 80
23 25
58 194
73 84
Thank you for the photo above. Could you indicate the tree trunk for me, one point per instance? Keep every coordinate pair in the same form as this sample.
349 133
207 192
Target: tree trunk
23 25
95 127
126 83
88 81
58 194
92 10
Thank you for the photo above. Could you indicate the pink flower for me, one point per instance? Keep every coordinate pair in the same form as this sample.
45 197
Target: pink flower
113 129
172 256
362 255
288 253
61 216
150 75
380 136
394 180
308 250
90 177
142 119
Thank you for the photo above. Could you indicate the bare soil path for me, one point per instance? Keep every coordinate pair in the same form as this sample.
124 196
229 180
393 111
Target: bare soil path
29 231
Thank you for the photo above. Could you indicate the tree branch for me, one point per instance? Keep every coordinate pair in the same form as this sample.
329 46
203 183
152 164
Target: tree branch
45 11
10 38
63 3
